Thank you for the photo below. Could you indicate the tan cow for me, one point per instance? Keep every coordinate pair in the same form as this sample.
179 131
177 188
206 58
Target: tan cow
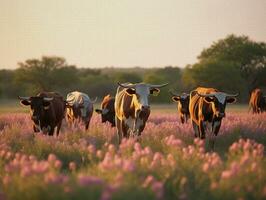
257 101
207 105
132 107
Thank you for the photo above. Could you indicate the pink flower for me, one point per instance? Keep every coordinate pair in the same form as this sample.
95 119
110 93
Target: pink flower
72 166
157 188
128 166
205 167
91 148
148 181
226 174
58 164
84 180
51 158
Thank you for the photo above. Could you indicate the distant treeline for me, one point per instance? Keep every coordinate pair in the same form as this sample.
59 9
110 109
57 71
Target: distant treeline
233 64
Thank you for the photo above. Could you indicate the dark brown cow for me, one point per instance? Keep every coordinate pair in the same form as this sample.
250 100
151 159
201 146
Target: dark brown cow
47 111
132 107
257 101
182 105
207 105
79 108
107 110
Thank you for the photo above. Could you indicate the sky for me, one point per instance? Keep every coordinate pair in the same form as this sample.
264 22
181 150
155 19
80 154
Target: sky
123 33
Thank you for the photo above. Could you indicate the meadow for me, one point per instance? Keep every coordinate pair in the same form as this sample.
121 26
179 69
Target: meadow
165 163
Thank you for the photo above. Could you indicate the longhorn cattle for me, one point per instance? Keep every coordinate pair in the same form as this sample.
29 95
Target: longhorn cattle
132 107
257 101
47 111
79 108
207 105
107 110
182 105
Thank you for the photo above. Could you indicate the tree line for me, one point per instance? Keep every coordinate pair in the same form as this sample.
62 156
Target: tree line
233 64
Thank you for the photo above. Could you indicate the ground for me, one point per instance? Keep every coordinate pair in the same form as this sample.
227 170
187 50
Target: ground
165 163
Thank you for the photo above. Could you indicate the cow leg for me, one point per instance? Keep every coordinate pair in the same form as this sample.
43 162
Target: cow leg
125 130
201 130
118 129
51 131
58 128
196 129
35 129
215 129
182 119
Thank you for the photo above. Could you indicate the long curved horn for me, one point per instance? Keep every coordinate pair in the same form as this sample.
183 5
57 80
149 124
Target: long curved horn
204 95
232 95
94 101
48 98
126 86
24 98
158 86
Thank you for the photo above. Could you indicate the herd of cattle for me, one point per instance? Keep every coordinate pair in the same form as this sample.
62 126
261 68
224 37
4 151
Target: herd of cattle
129 110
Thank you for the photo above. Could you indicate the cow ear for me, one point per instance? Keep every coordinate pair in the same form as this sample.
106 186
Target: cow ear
99 111
154 91
46 105
208 99
176 98
230 100
25 102
130 91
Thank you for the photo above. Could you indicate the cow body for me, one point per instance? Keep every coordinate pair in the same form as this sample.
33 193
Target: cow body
182 106
79 108
257 101
207 105
132 108
47 111
107 110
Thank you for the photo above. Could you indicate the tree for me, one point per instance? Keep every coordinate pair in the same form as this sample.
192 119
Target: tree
46 74
247 55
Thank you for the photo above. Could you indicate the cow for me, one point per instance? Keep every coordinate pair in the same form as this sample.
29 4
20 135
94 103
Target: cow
107 110
207 106
47 111
132 107
182 105
79 108
257 101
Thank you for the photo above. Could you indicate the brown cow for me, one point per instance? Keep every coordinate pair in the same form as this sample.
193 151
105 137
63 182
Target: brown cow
132 108
207 105
107 110
47 111
182 105
257 101
79 108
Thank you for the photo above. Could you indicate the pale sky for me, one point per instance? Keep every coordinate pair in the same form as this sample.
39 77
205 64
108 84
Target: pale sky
123 33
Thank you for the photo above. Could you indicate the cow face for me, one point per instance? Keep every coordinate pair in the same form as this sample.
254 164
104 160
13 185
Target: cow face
218 101
183 102
38 106
141 94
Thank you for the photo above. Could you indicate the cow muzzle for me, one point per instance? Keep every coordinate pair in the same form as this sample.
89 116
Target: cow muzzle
220 115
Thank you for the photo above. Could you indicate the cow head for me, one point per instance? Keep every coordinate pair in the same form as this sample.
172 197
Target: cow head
38 106
218 100
182 100
140 93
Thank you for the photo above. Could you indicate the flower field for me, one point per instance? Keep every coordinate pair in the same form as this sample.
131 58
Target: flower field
165 163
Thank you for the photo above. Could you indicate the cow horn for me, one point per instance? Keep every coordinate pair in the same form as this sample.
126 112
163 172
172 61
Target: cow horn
158 86
24 98
204 95
126 86
232 95
48 98
94 101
